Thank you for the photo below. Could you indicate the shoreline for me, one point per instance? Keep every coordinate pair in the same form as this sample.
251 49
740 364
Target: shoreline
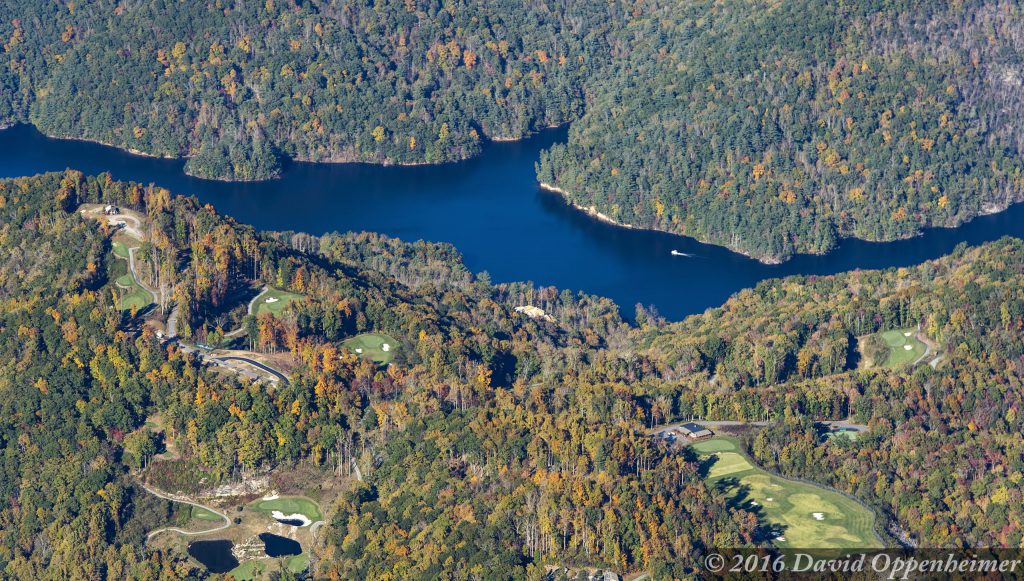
340 158
130 150
590 211
593 213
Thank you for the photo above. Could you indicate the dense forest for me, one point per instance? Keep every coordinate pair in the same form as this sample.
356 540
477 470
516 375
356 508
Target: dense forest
944 456
237 86
776 128
496 444
769 128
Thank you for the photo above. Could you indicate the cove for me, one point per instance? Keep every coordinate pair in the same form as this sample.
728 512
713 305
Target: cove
492 209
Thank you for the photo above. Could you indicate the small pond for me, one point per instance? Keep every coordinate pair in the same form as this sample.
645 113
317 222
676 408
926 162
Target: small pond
278 546
215 555
291 521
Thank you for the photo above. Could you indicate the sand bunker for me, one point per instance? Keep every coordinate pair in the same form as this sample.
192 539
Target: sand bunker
908 347
818 515
385 347
271 496
907 334
271 300
359 350
297 516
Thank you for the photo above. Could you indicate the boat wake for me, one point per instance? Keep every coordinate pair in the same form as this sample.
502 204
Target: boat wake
684 254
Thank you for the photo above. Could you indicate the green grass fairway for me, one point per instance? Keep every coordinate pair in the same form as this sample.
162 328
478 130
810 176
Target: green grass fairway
248 570
372 346
792 505
135 295
298 563
120 250
289 505
203 514
274 308
898 353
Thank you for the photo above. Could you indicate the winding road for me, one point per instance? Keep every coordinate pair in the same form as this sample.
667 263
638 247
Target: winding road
158 494
712 424
135 274
280 376
241 329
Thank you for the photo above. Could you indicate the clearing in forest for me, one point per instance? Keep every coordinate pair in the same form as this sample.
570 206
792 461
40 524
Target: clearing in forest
904 348
375 346
801 514
288 505
273 301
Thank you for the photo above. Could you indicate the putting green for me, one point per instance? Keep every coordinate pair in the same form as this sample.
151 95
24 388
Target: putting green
279 299
372 346
120 250
289 505
903 347
203 514
807 516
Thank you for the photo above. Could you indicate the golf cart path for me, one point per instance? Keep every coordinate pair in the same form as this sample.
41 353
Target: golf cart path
927 348
135 274
280 376
841 424
158 494
252 304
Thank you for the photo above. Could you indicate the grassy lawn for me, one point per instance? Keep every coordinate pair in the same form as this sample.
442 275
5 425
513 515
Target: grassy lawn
903 347
279 299
298 563
372 346
135 295
203 514
289 505
120 250
248 570
806 516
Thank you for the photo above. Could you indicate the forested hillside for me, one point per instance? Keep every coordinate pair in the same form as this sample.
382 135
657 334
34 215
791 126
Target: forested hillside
771 128
236 86
779 127
944 458
494 444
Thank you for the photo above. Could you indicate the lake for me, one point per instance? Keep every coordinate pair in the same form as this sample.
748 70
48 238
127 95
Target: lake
215 554
278 546
493 211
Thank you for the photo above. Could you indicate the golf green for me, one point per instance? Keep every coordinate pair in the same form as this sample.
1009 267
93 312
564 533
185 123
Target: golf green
201 513
903 347
274 301
805 516
379 348
289 505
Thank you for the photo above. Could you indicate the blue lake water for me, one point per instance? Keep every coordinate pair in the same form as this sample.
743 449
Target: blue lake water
215 554
493 211
278 546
